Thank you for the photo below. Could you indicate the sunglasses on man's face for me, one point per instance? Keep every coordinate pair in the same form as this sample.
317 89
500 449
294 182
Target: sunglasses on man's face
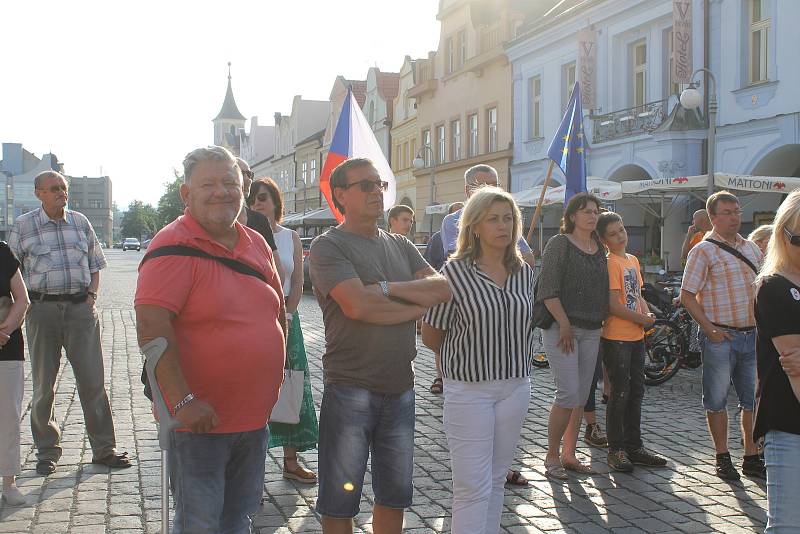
793 239
368 186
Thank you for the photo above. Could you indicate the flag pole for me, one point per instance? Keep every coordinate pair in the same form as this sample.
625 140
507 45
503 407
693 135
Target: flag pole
541 201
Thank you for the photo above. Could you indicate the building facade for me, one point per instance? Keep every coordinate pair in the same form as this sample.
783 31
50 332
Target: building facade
404 138
258 144
378 107
463 97
92 197
637 128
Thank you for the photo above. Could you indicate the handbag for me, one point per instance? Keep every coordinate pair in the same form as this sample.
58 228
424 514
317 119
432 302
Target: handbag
541 318
287 408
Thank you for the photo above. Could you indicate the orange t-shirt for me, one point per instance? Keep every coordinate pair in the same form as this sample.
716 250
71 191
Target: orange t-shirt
624 276
226 323
696 238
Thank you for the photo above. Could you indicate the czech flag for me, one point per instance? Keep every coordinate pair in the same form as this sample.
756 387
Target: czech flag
353 138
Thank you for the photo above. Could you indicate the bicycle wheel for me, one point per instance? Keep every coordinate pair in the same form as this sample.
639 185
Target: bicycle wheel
664 346
538 358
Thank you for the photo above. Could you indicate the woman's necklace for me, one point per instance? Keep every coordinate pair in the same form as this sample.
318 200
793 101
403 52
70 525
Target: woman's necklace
587 248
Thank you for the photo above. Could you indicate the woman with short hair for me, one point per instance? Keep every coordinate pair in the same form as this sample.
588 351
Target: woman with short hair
777 313
485 337
571 305
266 198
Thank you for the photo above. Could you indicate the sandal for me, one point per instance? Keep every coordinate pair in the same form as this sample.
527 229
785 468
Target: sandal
114 460
299 474
580 468
437 388
555 471
515 478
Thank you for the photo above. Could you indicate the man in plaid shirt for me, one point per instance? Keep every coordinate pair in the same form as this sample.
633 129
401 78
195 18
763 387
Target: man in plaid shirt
718 292
61 261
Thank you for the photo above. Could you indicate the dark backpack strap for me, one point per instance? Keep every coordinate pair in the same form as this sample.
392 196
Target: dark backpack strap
182 250
730 250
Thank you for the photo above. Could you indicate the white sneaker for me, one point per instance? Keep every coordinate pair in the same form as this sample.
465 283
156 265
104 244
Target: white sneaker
13 496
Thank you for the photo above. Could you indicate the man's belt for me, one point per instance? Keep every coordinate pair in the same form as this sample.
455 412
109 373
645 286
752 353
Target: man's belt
737 328
75 298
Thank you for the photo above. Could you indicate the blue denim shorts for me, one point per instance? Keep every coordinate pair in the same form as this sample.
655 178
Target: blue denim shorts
731 361
354 423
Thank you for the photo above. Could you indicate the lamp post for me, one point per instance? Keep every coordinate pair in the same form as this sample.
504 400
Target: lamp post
419 163
295 189
690 99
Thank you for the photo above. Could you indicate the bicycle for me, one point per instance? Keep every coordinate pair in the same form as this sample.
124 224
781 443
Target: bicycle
667 342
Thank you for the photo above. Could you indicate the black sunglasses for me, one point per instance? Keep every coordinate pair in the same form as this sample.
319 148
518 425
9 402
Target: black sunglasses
368 186
793 239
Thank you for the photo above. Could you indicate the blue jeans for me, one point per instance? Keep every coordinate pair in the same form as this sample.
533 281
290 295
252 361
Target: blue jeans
354 423
729 361
217 480
782 457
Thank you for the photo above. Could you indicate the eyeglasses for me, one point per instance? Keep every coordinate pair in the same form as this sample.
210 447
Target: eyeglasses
589 212
54 189
368 186
793 239
728 213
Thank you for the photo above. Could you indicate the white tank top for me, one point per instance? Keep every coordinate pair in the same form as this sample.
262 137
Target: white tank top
283 238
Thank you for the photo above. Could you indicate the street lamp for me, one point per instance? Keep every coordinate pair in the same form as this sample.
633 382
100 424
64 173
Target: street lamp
419 163
295 189
690 99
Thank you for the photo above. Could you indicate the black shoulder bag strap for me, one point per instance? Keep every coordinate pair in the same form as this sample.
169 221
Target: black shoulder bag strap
730 250
182 250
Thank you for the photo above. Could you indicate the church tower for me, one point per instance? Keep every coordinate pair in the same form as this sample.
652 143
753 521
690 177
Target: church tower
228 121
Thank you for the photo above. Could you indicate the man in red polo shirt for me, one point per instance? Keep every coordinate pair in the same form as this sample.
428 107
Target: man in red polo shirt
226 333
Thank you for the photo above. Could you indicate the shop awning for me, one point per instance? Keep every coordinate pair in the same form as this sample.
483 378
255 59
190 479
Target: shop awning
604 189
315 217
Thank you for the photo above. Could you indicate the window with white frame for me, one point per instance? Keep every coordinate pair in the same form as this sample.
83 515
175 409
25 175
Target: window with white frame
455 131
473 135
670 87
441 144
568 82
313 170
759 26
492 119
426 141
451 55
536 107
304 172
639 70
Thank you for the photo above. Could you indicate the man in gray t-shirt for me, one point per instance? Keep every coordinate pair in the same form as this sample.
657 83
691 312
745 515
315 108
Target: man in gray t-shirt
371 286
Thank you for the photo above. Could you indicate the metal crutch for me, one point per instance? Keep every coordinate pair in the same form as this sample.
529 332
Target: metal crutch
152 352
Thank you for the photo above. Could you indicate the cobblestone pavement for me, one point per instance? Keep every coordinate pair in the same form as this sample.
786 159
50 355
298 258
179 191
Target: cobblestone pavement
84 498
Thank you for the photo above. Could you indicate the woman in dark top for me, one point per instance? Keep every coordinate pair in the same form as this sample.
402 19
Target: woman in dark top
11 370
573 288
777 313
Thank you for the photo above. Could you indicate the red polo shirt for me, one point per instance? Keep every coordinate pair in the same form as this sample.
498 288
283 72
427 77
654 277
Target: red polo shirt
231 344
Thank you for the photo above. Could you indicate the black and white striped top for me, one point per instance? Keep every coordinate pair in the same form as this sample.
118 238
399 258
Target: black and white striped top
488 328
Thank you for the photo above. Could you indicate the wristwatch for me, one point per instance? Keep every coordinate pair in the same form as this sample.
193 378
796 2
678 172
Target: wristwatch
384 288
92 294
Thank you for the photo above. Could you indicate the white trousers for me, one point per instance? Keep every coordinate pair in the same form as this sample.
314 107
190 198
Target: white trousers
12 385
482 422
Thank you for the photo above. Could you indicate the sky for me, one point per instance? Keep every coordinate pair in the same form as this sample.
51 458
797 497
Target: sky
127 89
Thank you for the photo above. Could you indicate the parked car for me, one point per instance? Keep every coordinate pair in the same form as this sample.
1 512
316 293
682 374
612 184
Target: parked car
146 243
306 242
131 243
118 244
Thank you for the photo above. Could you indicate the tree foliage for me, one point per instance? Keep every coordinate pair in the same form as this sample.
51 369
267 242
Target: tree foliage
140 220
170 205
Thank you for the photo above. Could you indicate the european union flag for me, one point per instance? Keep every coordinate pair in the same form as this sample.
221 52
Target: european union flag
568 148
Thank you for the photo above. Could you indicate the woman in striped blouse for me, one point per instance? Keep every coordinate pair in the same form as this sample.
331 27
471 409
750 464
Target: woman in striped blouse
484 336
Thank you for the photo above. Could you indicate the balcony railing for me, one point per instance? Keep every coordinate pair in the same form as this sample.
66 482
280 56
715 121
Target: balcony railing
490 37
637 120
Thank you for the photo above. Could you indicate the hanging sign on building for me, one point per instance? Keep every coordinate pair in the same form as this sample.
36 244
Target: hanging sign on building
681 41
587 63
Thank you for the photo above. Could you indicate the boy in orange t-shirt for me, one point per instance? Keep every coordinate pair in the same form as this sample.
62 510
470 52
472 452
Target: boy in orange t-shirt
623 350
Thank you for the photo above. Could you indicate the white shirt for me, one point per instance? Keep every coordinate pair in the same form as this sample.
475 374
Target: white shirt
285 243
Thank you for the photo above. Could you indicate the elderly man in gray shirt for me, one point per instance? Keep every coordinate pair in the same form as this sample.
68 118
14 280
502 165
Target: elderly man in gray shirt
371 287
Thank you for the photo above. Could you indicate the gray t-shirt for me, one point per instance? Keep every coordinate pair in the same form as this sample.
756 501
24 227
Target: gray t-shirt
371 356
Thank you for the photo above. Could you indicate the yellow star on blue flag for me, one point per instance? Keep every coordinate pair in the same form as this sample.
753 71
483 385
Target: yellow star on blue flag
568 148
